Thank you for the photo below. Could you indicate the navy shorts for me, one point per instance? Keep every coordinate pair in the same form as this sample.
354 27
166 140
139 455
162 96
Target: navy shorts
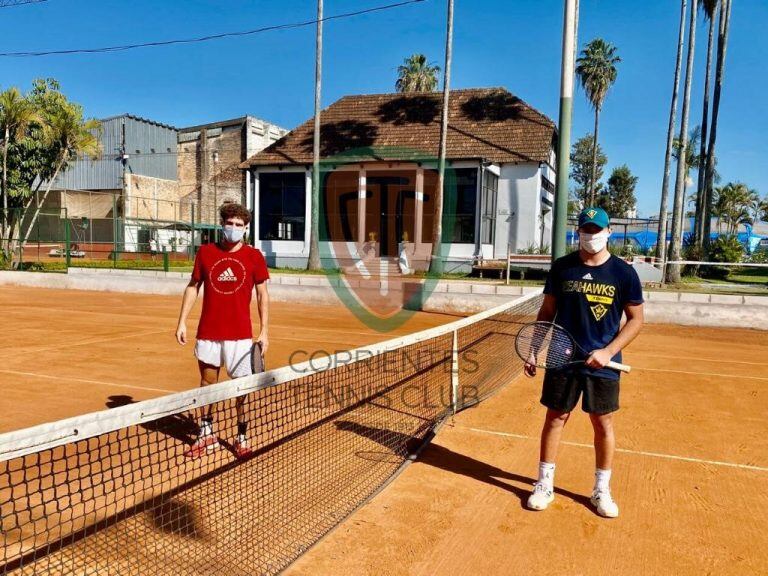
562 389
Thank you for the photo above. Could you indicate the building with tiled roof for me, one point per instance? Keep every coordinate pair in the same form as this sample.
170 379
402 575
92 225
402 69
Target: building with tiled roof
379 156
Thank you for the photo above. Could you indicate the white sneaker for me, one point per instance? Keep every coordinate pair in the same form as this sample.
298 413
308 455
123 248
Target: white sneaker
604 503
541 497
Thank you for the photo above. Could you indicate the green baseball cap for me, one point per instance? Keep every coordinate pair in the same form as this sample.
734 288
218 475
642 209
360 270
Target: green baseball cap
594 215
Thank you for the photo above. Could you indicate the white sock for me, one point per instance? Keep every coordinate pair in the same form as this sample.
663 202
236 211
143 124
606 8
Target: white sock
602 479
547 473
206 427
241 438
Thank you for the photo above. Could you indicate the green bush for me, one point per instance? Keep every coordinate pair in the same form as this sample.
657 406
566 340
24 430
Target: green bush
759 256
723 249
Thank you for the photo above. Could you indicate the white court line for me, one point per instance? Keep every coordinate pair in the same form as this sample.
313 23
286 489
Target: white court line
716 360
99 382
88 342
737 376
625 450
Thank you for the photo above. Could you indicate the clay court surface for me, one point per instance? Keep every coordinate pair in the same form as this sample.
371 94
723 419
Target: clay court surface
691 479
691 474
69 352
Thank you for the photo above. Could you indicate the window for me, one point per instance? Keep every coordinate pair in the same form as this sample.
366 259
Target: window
489 193
460 205
547 185
282 200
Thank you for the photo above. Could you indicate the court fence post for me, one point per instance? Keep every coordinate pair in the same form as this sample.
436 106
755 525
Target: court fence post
20 219
455 372
192 242
67 253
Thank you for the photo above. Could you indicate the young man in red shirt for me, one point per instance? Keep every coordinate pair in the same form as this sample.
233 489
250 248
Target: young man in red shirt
229 271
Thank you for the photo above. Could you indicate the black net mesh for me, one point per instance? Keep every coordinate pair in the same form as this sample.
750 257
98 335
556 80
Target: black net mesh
128 501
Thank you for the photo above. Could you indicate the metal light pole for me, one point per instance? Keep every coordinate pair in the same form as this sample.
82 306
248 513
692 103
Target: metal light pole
560 215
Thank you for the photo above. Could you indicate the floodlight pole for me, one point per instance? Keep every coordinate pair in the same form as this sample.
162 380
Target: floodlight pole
560 216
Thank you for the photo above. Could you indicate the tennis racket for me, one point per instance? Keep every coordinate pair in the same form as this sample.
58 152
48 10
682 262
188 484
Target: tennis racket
257 359
547 345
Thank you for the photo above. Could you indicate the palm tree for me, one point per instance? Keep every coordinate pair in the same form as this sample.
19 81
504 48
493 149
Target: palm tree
691 157
436 262
675 245
762 213
709 176
313 262
16 114
709 7
417 75
661 244
71 137
735 205
596 69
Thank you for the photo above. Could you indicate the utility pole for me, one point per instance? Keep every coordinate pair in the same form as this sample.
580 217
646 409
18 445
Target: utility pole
314 231
436 262
560 215
215 180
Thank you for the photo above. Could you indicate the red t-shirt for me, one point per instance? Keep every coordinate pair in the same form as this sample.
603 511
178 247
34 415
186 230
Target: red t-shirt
228 280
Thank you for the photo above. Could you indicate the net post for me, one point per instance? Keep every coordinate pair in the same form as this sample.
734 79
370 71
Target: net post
166 263
455 372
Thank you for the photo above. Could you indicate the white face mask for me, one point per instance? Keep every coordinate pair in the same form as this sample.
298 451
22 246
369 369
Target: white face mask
232 234
594 243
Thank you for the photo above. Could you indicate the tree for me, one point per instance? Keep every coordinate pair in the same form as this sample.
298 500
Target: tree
619 199
709 176
763 210
70 136
16 114
735 204
586 165
596 70
313 262
691 155
417 75
661 244
436 261
675 245
709 7
58 135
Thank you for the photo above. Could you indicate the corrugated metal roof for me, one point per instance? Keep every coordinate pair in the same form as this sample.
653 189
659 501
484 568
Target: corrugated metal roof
139 119
151 147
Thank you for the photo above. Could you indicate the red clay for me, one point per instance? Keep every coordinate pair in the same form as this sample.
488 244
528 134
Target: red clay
65 352
459 510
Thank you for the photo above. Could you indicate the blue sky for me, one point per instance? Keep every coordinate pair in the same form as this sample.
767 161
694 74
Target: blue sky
497 43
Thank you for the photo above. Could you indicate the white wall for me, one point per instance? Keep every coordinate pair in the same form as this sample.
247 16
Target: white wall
518 212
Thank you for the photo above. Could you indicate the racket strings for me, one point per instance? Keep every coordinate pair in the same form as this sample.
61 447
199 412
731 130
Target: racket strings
544 345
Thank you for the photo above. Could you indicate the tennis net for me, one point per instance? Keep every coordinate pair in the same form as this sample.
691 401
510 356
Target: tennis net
113 493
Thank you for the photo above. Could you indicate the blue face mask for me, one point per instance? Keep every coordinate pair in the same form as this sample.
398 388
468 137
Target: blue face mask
233 235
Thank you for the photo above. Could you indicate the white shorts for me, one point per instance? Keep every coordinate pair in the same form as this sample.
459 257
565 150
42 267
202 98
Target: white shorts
234 355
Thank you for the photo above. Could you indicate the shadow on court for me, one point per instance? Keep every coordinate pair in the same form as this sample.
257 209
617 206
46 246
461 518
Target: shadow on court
456 463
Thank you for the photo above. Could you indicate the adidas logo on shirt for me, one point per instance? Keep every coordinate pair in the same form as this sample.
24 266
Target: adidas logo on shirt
227 276
586 276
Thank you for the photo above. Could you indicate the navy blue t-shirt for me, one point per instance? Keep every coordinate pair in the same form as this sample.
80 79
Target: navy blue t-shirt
591 300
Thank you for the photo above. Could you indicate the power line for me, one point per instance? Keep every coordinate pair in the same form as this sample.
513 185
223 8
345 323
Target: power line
220 36
13 3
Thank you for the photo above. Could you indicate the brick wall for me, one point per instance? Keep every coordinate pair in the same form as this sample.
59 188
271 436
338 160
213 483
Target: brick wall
208 182
154 199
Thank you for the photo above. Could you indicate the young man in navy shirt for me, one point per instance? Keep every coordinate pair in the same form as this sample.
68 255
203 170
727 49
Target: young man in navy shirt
587 292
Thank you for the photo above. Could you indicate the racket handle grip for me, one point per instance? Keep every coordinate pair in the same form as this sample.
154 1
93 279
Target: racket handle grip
620 367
